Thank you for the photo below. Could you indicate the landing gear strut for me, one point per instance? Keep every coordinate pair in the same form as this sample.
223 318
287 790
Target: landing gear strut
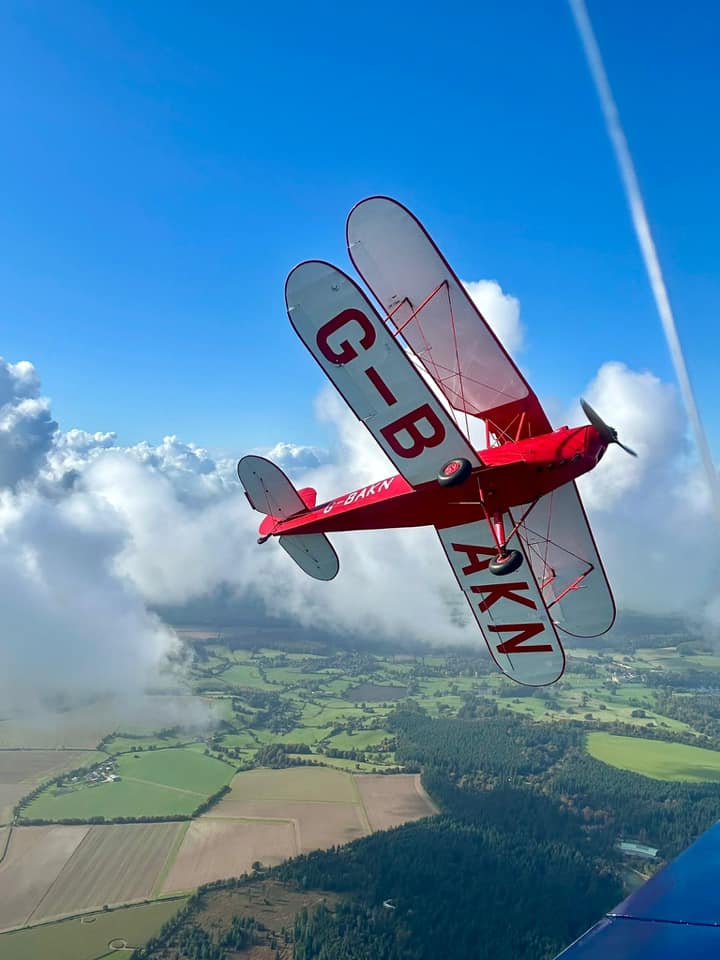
506 561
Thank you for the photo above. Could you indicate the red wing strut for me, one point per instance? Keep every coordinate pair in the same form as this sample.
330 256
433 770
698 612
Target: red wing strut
509 610
342 330
429 307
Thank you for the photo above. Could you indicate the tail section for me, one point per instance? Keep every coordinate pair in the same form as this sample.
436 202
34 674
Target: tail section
269 491
313 553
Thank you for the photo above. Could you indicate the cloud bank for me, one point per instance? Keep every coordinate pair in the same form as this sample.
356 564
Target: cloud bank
93 534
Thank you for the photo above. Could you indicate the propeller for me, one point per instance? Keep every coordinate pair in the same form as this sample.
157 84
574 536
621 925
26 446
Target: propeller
607 433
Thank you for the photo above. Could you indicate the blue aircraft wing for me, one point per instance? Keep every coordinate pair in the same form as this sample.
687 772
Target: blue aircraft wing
676 914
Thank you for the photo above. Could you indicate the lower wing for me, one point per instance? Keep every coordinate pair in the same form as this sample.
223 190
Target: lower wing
510 610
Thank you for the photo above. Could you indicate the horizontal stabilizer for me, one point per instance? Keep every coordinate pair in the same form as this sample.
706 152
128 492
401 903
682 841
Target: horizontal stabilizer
268 489
313 553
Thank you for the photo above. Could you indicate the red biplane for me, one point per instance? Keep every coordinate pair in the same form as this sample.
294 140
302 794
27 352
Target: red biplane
509 516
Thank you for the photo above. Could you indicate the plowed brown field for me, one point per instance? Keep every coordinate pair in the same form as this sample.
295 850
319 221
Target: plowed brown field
392 800
113 864
217 849
34 858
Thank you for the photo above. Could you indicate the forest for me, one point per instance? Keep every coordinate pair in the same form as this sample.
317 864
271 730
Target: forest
522 859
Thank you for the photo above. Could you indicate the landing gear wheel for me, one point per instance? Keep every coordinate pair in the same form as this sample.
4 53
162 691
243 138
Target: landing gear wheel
508 562
454 472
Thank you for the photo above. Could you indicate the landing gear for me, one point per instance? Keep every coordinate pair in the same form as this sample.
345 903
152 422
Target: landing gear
506 562
454 472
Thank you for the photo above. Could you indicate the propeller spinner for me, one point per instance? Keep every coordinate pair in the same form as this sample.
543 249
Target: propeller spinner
607 433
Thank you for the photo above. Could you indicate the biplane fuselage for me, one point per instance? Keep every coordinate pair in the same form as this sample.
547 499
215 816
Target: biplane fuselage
510 475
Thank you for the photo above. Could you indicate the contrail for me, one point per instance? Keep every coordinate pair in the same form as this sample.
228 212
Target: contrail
645 239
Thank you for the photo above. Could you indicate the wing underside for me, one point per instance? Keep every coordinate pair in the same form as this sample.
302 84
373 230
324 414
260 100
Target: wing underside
376 377
675 914
510 611
430 309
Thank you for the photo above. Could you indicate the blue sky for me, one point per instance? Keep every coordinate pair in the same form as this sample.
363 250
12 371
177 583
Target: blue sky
165 165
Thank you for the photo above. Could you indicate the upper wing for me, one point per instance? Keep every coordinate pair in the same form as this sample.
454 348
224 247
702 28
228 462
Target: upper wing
557 538
510 610
343 331
675 914
428 305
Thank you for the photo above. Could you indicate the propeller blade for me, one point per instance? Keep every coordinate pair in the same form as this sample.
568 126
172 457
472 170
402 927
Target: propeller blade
626 449
607 433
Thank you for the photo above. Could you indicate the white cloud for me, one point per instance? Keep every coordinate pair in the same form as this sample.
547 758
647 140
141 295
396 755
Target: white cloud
26 427
295 456
648 417
501 310
651 515
92 532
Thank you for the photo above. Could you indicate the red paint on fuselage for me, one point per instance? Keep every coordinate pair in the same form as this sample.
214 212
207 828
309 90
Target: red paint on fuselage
511 474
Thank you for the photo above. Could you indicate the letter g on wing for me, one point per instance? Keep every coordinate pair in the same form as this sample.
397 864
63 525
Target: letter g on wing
345 351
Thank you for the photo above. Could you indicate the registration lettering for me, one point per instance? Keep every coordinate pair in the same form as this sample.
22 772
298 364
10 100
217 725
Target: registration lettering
501 601
341 341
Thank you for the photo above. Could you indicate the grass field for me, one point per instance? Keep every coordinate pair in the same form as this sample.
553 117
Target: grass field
89 938
655 758
127 798
153 783
180 768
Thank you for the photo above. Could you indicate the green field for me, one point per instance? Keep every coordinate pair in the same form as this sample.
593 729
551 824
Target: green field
181 768
156 783
89 938
655 758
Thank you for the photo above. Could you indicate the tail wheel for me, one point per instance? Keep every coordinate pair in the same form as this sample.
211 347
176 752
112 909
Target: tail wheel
507 562
454 472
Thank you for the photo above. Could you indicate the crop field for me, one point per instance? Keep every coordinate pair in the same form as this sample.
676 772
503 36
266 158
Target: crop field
21 770
321 806
89 937
153 783
56 870
113 864
317 825
216 849
390 801
296 783
34 858
655 758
